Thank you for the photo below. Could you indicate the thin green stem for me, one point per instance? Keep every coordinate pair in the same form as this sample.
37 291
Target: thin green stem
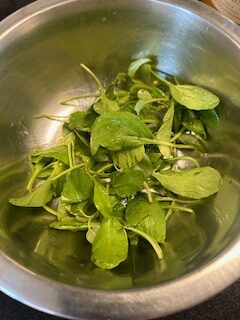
178 134
68 170
170 211
176 80
62 140
185 158
178 208
161 79
73 153
105 167
94 77
149 193
83 96
51 117
153 242
48 166
169 144
138 110
33 178
151 121
167 199
50 210
142 85
69 147
84 140
92 216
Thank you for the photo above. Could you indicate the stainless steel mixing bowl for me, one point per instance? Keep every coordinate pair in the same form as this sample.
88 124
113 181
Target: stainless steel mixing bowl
41 47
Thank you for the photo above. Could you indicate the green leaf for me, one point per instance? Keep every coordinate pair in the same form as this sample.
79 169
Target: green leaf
156 160
135 65
81 120
78 187
128 158
110 92
110 246
158 93
150 116
123 81
210 118
145 74
144 95
194 97
59 153
148 217
82 147
118 131
193 140
45 173
76 209
123 97
194 183
195 125
191 122
105 105
62 210
69 223
102 200
58 184
38 198
128 107
92 231
127 182
165 131
177 119
141 104
145 166
118 210
102 155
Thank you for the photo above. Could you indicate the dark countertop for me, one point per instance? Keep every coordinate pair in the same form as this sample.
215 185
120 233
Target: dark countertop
225 306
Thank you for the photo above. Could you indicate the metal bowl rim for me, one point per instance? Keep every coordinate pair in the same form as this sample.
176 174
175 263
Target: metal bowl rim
201 283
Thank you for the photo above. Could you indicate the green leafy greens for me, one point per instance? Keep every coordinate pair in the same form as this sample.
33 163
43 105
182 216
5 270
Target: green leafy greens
115 174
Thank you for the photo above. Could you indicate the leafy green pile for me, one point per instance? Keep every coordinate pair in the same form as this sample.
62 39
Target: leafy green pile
116 173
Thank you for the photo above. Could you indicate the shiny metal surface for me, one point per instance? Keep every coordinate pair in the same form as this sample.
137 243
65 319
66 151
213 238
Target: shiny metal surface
41 47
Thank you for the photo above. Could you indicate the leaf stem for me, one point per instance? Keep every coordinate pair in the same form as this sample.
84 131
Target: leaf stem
50 210
83 96
178 134
153 242
69 147
141 84
170 211
72 152
51 117
160 198
68 170
94 77
161 79
105 167
48 166
34 176
149 193
176 80
181 208
169 144
82 139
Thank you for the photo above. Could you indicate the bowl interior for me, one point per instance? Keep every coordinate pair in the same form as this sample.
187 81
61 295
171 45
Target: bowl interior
39 66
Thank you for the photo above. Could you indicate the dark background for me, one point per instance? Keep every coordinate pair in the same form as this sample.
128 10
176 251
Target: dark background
225 306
